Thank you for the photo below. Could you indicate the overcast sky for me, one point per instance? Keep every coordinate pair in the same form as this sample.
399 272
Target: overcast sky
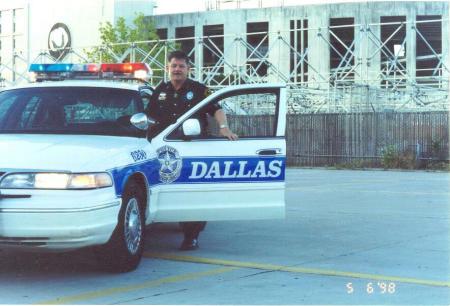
178 6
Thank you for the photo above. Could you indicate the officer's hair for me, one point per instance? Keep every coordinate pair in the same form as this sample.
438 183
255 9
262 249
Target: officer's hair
178 54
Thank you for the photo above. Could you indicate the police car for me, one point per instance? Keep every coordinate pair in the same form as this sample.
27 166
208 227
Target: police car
78 167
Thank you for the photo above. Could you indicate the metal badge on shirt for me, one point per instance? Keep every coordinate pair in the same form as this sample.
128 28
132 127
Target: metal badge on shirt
189 95
162 96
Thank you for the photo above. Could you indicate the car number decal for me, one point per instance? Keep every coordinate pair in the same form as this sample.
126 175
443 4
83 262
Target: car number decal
138 155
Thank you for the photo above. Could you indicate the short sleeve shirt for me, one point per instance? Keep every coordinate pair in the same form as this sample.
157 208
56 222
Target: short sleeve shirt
167 104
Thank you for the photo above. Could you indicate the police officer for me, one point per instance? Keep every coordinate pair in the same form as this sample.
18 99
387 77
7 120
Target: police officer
172 99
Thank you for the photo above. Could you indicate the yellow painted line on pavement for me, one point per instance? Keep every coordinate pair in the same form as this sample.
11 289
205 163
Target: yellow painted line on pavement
270 267
149 284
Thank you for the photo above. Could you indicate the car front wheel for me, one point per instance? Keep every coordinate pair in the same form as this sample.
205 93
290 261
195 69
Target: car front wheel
124 250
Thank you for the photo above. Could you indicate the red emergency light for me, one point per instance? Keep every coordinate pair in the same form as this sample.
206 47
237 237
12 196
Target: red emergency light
124 68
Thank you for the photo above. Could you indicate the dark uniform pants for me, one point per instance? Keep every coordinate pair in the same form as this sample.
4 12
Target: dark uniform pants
191 230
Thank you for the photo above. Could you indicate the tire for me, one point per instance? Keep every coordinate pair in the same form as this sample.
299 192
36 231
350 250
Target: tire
123 252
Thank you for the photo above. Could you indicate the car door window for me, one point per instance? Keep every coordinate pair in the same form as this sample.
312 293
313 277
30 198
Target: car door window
250 114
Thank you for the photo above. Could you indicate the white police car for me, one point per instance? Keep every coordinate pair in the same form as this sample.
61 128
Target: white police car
74 172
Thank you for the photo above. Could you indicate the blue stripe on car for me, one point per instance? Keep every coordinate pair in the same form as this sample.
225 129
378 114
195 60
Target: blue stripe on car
202 170
149 168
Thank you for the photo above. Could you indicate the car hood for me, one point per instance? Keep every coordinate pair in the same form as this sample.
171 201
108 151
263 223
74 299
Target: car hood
76 153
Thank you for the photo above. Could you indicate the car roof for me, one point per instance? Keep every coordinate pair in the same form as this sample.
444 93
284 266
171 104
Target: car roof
79 83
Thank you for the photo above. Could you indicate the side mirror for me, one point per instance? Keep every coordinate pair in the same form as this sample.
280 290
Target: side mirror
191 127
142 121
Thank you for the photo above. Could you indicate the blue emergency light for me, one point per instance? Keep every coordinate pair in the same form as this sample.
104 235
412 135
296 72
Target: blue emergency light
64 67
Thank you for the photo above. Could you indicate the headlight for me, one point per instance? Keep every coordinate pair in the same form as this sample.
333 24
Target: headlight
56 181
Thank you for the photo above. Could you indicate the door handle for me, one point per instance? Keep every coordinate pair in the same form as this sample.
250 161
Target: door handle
274 151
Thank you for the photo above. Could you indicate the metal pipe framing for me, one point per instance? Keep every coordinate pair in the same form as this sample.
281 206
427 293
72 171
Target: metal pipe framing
394 62
220 63
302 61
386 41
402 92
393 67
431 48
344 61
264 60
383 50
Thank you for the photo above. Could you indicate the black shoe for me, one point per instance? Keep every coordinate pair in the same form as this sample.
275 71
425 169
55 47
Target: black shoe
189 245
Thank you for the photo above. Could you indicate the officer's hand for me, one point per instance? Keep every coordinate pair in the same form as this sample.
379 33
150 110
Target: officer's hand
226 132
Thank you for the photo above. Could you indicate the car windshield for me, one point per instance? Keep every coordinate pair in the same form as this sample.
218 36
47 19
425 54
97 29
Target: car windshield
70 110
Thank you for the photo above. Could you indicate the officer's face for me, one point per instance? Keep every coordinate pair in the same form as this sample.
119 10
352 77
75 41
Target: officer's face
178 70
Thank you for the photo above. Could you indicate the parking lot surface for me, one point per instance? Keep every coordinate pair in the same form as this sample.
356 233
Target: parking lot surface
349 237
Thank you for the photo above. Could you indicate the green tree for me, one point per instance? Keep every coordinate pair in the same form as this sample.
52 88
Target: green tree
121 43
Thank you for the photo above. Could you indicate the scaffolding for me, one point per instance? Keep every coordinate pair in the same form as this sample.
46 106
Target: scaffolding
377 67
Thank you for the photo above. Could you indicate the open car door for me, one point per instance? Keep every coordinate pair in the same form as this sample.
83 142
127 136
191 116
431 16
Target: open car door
206 178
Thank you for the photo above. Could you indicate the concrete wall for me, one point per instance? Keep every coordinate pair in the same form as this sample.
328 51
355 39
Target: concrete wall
318 17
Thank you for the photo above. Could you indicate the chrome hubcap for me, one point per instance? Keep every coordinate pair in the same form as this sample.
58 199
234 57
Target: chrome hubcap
133 226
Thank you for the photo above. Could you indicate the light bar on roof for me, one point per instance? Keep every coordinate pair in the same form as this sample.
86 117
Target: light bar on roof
61 70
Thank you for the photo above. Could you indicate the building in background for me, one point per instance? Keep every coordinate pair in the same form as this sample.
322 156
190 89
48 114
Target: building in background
335 57
29 28
365 80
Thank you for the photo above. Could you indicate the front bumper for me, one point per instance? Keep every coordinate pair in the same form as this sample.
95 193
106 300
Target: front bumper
58 219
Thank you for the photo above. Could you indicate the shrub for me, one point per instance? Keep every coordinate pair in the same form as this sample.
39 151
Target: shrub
389 157
392 159
439 165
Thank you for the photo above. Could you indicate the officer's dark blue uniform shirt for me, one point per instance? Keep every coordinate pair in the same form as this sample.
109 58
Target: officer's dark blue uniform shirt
167 104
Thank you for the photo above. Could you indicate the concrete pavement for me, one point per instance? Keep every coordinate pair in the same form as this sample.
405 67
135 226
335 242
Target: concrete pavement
350 237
